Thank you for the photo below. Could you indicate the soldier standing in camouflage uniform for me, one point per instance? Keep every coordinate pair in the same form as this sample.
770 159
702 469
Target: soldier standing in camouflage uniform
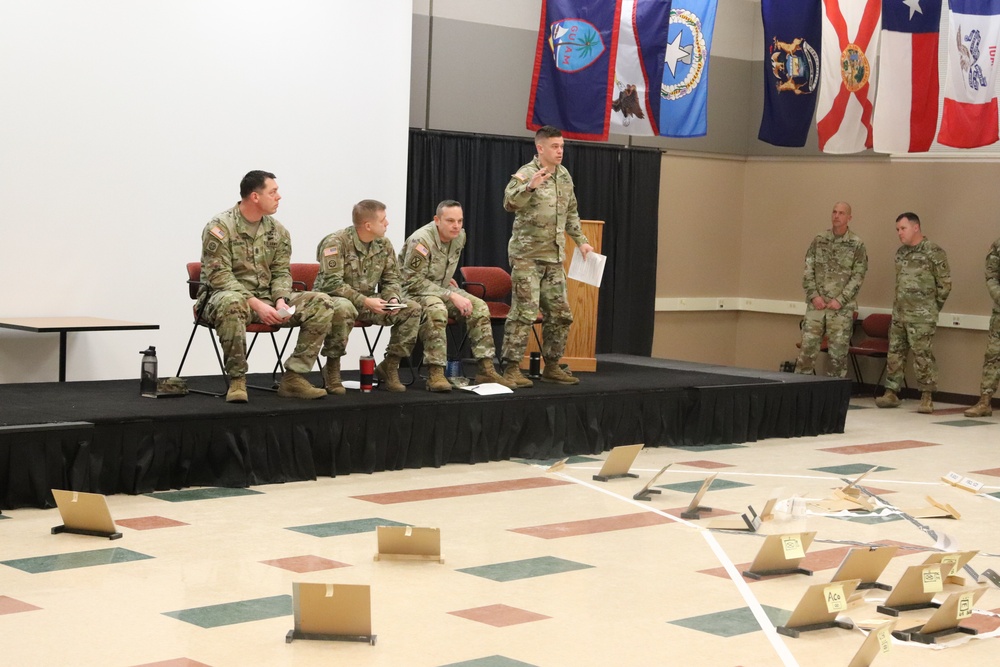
991 364
836 263
923 282
245 263
352 264
541 196
428 262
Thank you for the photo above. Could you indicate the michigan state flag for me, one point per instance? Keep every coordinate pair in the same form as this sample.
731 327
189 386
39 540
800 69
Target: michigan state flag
574 67
684 103
793 36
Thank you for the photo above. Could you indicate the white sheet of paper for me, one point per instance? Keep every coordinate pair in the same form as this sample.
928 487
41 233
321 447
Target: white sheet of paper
589 270
488 389
287 313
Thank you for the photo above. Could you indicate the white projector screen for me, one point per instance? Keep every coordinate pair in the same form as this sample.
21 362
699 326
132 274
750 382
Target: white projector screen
126 125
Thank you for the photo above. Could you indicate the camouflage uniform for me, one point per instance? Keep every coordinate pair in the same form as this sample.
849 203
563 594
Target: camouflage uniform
536 254
835 269
349 270
238 266
991 364
923 282
428 266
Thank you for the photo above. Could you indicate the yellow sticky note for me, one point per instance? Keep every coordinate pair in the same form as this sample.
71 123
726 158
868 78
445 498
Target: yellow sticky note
932 580
951 560
885 639
964 606
792 546
835 598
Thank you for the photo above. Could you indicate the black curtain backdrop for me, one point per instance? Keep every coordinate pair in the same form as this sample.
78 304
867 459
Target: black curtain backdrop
615 184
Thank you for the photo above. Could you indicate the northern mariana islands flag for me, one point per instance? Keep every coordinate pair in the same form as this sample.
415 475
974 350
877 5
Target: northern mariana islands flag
969 114
684 93
642 43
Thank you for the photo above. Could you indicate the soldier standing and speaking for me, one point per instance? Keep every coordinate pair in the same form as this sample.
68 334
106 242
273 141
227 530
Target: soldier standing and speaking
245 263
991 364
923 282
353 263
540 194
427 263
836 263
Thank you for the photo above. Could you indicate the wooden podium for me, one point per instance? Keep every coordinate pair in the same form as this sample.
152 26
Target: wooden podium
581 346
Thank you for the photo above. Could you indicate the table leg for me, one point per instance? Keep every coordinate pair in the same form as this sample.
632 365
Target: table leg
62 356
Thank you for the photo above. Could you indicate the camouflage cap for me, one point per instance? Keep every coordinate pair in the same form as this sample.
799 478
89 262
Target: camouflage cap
175 386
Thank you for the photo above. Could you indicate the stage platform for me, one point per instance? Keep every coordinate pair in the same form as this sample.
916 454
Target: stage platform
103 437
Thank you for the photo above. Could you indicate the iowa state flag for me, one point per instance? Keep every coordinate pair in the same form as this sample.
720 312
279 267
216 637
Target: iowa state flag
792 50
847 85
684 107
642 43
574 67
969 114
907 102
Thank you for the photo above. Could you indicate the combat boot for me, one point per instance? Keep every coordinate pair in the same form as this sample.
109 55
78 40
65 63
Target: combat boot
331 377
984 408
512 373
293 385
554 373
387 373
237 390
887 400
436 381
926 404
487 373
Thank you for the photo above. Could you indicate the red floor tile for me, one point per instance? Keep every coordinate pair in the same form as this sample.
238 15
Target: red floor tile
9 605
879 447
460 490
591 526
148 523
704 464
305 563
499 615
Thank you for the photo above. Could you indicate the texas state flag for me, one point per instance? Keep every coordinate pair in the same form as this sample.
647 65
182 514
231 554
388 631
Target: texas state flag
848 75
969 114
907 101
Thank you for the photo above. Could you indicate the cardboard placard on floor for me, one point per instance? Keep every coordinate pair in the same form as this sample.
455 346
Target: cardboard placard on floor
819 607
408 543
773 557
878 641
84 514
866 564
333 612
619 462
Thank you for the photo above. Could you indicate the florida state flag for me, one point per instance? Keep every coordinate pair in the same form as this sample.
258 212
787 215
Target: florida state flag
847 88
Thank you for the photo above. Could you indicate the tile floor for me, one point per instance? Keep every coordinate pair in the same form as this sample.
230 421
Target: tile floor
541 569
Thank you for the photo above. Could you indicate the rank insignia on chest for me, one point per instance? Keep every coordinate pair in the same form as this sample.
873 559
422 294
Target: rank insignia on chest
332 250
421 249
218 232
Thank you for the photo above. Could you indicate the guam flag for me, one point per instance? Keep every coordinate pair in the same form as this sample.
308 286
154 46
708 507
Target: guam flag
642 43
684 107
969 114
792 43
906 105
574 67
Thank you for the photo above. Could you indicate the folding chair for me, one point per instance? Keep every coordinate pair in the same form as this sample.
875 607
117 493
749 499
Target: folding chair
875 345
493 285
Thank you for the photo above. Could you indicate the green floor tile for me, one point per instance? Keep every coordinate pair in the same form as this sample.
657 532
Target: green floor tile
201 494
344 527
851 469
692 487
491 661
857 407
525 569
964 422
733 622
230 613
706 448
38 564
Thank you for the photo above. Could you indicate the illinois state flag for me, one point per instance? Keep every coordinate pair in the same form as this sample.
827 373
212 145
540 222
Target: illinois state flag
574 67
792 50
847 79
907 101
642 43
969 114
684 107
